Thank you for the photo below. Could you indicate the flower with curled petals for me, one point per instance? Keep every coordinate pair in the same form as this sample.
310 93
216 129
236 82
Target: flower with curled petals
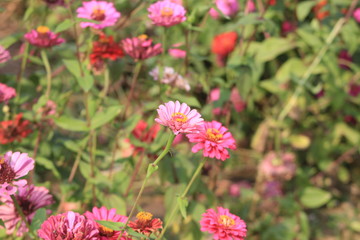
227 7
166 13
6 93
42 37
146 224
179 117
14 130
141 47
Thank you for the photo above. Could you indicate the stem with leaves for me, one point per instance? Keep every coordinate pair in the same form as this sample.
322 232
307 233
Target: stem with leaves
48 72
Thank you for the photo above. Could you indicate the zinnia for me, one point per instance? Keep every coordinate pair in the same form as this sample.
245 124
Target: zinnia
6 93
356 15
141 47
223 224
171 77
166 13
214 139
223 44
101 11
227 7
14 130
146 224
4 55
179 117
43 37
12 167
280 166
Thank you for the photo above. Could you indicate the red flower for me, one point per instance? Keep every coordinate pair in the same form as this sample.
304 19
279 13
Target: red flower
318 10
13 130
223 44
145 136
272 2
145 224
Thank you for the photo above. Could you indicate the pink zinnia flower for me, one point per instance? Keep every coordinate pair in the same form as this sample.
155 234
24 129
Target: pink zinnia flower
169 76
43 37
280 166
141 47
250 6
104 214
13 166
4 55
177 53
6 93
235 188
179 117
68 226
287 27
223 224
101 11
214 139
30 198
354 89
146 224
227 7
166 13
356 15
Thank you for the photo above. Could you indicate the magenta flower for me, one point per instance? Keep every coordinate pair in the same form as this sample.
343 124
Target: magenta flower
4 55
214 139
344 59
227 7
106 215
43 37
141 47
6 93
356 15
280 166
223 224
250 6
68 226
354 89
12 167
30 198
179 117
101 11
166 13
272 189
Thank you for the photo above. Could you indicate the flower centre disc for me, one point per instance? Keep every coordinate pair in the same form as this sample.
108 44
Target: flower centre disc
213 134
6 172
179 117
42 29
98 14
166 12
105 231
144 216
226 221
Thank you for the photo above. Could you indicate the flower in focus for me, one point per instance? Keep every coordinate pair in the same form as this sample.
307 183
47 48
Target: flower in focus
103 12
55 2
14 130
166 13
344 59
287 27
170 77
213 139
222 45
6 93
141 47
223 224
250 6
12 167
320 13
30 198
104 214
146 224
42 37
179 117
4 55
354 89
356 15
227 7
280 166
68 226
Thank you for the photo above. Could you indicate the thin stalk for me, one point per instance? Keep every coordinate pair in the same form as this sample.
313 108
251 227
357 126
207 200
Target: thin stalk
21 72
106 83
133 84
48 72
21 213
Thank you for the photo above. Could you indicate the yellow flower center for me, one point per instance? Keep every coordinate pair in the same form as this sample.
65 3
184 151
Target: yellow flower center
143 37
105 231
166 12
98 14
144 216
42 29
226 221
179 117
213 134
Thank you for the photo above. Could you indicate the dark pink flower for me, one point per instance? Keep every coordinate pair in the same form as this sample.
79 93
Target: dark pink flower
272 189
166 13
250 6
146 224
344 59
141 47
354 89
6 93
350 120
356 15
287 27
223 224
4 55
43 37
280 166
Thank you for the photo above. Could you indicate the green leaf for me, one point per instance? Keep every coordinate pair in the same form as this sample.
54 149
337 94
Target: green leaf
189 100
273 47
250 19
65 25
309 38
86 81
2 223
303 9
136 234
39 218
112 225
183 203
151 169
313 197
114 201
104 117
71 124
46 163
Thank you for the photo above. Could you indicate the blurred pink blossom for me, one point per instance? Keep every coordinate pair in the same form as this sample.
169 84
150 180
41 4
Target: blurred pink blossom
166 13
6 93
344 59
272 189
235 188
354 89
356 15
43 37
250 6
287 27
4 55
227 7
279 166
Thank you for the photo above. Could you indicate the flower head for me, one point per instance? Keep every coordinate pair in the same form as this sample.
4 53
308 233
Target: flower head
177 52
250 6
4 55
29 198
278 166
287 27
146 224
14 130
356 15
68 226
6 93
170 77
223 224
101 11
141 47
43 37
140 131
166 13
12 167
214 139
344 59
227 7
223 44
106 215
320 13
179 117
354 89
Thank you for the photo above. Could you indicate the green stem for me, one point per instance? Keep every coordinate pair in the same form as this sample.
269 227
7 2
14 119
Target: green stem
21 213
48 72
21 72
106 83
183 195
133 84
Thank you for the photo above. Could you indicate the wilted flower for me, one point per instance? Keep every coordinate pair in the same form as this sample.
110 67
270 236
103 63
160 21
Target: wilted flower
6 93
103 12
68 226
354 89
356 15
227 7
250 6
43 37
104 214
141 47
12 167
146 224
14 130
4 55
223 224
170 77
166 13
179 117
280 166
29 198
344 59
214 139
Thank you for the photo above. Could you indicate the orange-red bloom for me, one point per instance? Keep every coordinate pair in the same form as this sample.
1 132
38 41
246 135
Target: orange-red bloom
223 44
145 224
318 10
14 130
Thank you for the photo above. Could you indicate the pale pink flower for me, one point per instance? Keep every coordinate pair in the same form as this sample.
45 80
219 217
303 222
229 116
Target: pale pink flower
4 55
42 37
12 167
179 117
141 47
177 53
104 214
228 7
356 15
166 13
171 77
103 12
214 139
30 198
223 224
280 166
235 188
68 226
250 6
237 101
6 93
272 189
